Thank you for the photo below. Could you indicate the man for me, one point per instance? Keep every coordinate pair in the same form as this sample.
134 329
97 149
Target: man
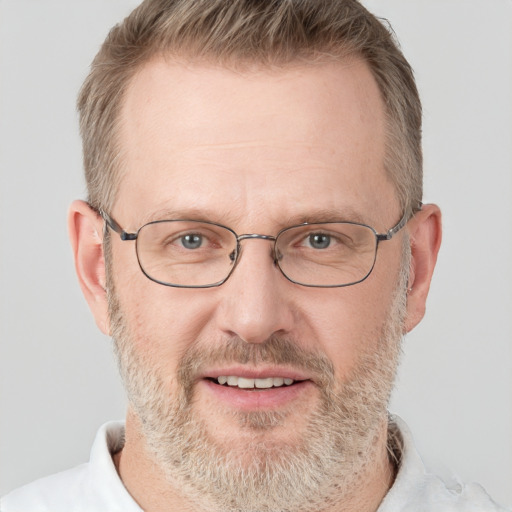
255 243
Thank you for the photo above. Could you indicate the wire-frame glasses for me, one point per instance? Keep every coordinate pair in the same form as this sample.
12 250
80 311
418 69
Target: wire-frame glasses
201 254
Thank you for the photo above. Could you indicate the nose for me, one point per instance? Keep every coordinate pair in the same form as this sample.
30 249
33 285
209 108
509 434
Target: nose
256 299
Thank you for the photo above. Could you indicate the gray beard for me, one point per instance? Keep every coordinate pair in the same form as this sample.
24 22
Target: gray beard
328 464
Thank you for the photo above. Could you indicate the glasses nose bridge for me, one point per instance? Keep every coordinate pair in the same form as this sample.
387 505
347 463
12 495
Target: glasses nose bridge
250 236
257 236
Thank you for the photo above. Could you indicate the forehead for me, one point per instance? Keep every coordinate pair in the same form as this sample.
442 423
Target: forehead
241 144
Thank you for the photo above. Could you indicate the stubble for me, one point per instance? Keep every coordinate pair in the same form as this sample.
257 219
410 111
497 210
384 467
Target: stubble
334 450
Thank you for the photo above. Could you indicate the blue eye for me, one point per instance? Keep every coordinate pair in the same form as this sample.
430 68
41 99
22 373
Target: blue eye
319 241
191 241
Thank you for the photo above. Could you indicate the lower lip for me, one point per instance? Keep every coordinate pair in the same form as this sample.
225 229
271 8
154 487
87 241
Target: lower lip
257 399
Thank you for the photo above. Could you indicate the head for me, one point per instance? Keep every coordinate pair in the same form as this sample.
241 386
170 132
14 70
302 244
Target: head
240 34
256 116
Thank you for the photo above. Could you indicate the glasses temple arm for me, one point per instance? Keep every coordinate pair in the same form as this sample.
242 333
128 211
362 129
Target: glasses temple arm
401 223
114 226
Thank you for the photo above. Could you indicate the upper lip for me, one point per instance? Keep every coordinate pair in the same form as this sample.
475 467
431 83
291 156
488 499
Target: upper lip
248 372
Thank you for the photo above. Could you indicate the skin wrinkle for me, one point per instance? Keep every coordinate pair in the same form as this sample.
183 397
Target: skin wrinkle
321 215
256 114
199 450
282 476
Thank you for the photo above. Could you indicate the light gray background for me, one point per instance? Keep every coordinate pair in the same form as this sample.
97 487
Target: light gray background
58 379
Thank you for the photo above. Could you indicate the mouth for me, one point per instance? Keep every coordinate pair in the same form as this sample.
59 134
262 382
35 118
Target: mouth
249 389
248 383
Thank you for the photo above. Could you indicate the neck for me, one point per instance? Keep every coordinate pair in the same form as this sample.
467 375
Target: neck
146 483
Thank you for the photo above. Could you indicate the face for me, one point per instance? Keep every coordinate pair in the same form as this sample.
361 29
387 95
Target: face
257 151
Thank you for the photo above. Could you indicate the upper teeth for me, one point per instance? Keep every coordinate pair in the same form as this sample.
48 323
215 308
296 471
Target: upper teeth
245 383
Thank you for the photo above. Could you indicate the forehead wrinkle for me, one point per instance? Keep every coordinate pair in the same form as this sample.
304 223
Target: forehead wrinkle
237 145
235 217
282 143
320 215
192 213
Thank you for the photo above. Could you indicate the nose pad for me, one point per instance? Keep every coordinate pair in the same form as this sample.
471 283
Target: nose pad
254 306
274 252
277 255
236 254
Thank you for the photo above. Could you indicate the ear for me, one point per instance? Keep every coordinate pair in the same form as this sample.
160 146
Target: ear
425 238
85 232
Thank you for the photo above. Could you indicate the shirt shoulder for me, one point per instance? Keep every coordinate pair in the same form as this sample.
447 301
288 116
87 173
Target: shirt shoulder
417 490
52 491
91 487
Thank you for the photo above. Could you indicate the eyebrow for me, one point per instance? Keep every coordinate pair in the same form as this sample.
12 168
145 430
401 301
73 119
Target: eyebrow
346 214
190 213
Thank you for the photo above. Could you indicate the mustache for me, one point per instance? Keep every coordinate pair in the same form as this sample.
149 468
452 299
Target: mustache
276 350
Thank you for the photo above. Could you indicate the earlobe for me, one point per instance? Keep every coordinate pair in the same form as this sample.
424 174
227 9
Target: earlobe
425 238
85 228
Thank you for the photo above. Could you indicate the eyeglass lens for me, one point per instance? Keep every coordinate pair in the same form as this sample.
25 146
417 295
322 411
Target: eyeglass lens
200 254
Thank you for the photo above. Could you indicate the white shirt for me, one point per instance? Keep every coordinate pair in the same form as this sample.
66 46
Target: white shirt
96 486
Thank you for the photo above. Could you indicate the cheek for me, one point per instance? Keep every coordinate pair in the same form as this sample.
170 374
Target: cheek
163 322
348 323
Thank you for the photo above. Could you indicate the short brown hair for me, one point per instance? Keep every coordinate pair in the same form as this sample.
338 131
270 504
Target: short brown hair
234 32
